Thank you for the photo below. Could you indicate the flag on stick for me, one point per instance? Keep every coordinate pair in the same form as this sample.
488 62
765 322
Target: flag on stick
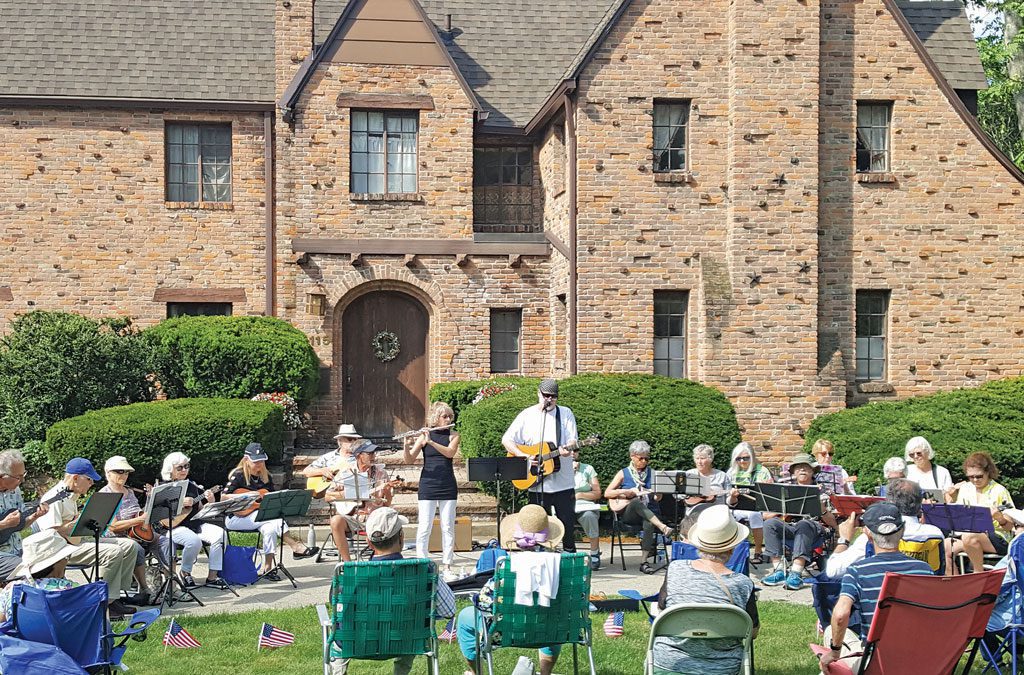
176 636
613 624
449 631
274 637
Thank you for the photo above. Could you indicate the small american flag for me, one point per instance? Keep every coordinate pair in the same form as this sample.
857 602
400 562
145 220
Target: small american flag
449 631
176 636
613 624
274 637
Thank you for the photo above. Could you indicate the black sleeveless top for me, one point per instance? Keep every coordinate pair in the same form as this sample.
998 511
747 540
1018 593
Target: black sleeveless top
437 480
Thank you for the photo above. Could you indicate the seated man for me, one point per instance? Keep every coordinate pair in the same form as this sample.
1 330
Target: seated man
12 472
44 563
116 554
588 491
329 463
384 532
351 511
905 495
803 532
862 583
630 496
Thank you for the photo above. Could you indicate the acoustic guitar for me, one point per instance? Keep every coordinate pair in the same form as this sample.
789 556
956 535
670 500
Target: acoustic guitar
197 503
545 461
26 511
348 506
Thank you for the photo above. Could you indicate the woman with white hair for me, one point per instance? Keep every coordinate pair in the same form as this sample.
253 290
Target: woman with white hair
719 481
190 534
920 469
630 496
744 470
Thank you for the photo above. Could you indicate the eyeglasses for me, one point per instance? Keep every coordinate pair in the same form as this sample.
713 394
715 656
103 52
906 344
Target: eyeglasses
975 476
743 459
644 458
183 467
120 472
824 453
18 477
916 453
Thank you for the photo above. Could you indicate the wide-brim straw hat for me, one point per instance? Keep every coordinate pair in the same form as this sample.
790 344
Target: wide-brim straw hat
347 431
716 531
532 519
41 550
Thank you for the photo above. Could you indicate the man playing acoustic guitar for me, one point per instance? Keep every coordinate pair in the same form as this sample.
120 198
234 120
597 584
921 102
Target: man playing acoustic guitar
371 489
548 422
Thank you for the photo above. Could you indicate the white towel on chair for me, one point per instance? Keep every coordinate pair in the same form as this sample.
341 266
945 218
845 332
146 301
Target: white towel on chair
536 572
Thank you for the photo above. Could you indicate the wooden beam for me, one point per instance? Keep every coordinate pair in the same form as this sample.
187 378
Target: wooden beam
409 259
557 243
199 295
403 247
515 260
461 259
386 101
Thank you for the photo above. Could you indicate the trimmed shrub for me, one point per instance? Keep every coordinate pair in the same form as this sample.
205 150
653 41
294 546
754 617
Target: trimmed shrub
233 357
212 432
672 415
460 393
988 418
55 365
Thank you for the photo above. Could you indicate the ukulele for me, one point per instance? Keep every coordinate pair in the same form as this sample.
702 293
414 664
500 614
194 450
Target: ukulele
26 511
618 504
544 462
196 503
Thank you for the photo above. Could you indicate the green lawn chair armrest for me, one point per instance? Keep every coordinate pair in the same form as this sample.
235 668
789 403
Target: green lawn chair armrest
325 619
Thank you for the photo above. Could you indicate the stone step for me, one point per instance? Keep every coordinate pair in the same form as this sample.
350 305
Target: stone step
472 504
409 472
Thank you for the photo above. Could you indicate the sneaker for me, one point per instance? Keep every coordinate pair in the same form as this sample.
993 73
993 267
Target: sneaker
272 575
187 580
139 599
775 578
595 561
118 608
794 581
449 576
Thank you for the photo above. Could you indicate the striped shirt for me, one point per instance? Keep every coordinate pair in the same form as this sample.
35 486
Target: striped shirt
863 581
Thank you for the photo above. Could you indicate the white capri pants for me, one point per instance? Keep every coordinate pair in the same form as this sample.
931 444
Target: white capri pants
192 543
425 523
755 518
588 520
270 529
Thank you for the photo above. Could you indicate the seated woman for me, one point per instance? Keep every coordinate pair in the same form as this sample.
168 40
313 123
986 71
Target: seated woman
532 529
190 534
129 514
706 581
251 475
630 496
721 489
919 454
980 489
832 478
43 561
745 470
894 467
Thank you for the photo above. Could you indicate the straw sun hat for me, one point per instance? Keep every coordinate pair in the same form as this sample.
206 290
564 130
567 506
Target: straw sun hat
716 531
531 524
41 550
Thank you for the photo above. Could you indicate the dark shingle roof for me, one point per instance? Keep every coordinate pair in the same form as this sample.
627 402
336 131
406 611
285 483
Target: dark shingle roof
184 49
945 30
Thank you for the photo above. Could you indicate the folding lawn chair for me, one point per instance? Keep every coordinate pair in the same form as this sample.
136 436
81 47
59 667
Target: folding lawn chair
739 561
721 622
923 624
380 610
1006 642
565 621
76 622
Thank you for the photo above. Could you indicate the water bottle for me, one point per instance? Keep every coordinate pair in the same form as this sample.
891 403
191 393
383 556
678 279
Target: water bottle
524 666
310 536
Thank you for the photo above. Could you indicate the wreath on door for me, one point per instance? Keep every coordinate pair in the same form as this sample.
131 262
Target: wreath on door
385 346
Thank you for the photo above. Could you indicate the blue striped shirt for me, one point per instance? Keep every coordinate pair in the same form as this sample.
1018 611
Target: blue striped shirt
862 582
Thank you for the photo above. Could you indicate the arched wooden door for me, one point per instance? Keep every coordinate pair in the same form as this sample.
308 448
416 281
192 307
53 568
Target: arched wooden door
384 363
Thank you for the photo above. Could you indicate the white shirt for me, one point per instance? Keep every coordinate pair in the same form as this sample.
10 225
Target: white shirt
60 512
915 530
925 479
526 429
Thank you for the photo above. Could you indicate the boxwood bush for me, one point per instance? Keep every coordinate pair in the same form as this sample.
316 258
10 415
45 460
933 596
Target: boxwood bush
460 393
233 357
213 432
672 415
988 418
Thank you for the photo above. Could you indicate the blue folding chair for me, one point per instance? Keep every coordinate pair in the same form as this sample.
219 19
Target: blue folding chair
1007 641
75 621
739 561
488 560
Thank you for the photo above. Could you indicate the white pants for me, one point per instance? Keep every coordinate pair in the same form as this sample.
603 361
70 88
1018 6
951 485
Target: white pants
192 543
426 523
755 518
270 529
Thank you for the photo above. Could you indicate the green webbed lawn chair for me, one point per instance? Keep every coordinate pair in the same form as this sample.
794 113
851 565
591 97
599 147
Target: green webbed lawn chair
703 622
380 610
566 621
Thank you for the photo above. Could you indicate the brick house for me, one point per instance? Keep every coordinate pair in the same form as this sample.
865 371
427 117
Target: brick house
787 199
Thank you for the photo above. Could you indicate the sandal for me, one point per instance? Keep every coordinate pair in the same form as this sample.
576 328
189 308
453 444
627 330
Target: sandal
310 551
757 559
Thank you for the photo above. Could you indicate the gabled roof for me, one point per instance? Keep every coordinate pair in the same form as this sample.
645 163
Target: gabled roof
945 30
138 49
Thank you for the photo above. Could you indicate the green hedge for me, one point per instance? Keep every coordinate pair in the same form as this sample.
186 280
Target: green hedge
233 357
460 393
988 418
55 365
212 431
672 415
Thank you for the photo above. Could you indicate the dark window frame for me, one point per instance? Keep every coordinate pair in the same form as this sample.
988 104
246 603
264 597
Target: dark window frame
670 332
877 116
871 335
176 309
658 150
385 134
496 312
521 185
204 150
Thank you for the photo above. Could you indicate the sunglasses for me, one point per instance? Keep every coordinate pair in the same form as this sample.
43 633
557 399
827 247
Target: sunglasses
550 395
183 467
915 454
824 453
120 472
976 476
743 459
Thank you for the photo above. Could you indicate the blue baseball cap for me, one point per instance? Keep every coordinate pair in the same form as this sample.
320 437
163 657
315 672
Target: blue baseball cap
254 451
80 466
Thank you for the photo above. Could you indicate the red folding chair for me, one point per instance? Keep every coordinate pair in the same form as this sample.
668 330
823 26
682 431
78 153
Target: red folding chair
924 624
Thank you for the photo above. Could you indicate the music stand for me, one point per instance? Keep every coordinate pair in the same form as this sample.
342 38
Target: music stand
849 505
94 520
787 500
280 505
497 469
958 518
166 502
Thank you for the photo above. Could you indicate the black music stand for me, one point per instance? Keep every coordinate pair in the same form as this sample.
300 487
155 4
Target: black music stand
283 504
958 518
94 520
166 502
497 469
787 499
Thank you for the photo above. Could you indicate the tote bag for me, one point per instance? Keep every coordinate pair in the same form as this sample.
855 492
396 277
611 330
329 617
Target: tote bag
240 565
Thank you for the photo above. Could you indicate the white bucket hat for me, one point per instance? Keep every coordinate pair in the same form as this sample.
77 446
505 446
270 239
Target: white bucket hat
117 463
41 550
716 531
347 431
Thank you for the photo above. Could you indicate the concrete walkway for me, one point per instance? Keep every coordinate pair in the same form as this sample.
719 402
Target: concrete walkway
314 580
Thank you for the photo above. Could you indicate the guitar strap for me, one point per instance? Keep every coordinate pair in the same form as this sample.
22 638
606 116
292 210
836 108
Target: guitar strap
558 426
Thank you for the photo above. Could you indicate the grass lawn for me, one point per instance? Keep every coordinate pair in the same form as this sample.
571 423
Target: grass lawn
229 646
